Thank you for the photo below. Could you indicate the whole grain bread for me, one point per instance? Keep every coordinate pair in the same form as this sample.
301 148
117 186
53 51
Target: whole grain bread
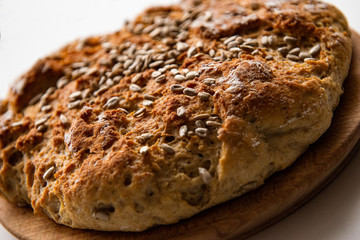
186 107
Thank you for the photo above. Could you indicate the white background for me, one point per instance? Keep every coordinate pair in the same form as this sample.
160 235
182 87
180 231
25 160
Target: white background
31 29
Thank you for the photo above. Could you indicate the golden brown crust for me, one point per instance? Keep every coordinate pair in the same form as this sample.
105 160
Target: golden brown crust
186 107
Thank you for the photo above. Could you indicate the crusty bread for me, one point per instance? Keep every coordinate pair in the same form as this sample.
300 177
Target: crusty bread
186 107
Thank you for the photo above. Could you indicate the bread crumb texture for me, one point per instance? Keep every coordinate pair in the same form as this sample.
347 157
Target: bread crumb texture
185 107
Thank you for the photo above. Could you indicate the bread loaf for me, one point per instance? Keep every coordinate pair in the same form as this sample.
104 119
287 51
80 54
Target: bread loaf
187 106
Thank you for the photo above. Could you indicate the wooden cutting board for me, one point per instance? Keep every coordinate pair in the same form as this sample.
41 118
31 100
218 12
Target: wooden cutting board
237 219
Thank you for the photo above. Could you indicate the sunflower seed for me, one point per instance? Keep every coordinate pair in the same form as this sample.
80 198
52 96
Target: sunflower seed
251 42
147 103
240 40
309 59
146 62
105 216
204 96
247 48
140 139
146 136
269 57
63 119
101 90
131 51
112 103
230 39
191 52
136 78
135 88
271 40
181 46
185 71
304 55
41 128
102 61
139 112
171 66
182 36
144 150
235 50
177 88
315 50
290 40
200 44
293 57
264 40
47 94
256 51
191 75
78 65
62 82
173 53
201 116
75 95
183 130
207 16
190 92
128 72
106 45
181 111
205 175
85 93
214 118
169 41
160 78
210 81
156 32
155 74
170 61
117 79
49 173
41 121
212 53
250 186
128 63
295 51
17 124
149 29
149 97
167 149
75 104
174 71
156 64
102 80
162 70
46 108
232 44
202 132
283 50
223 57
138 28
35 99
213 124
199 123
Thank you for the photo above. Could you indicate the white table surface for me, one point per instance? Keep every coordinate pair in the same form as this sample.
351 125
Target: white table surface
30 29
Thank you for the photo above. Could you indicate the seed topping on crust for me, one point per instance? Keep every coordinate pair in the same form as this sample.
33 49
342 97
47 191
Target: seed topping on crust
49 173
167 149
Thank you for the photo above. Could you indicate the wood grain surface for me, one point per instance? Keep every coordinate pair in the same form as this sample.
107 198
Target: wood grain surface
237 219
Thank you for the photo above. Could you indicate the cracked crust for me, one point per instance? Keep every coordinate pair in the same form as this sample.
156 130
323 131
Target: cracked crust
80 144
